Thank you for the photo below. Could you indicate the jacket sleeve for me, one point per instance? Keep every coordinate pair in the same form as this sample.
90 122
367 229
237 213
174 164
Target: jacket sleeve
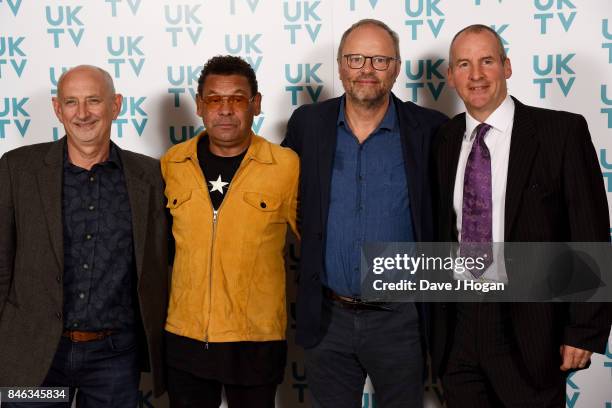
7 232
588 325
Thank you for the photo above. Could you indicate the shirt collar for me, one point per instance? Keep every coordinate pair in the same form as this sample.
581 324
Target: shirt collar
388 121
113 157
500 119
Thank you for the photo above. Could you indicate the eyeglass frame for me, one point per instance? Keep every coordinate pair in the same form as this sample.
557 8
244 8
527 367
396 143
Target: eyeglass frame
365 59
224 99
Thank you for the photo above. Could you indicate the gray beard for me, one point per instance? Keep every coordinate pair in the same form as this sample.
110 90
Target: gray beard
370 103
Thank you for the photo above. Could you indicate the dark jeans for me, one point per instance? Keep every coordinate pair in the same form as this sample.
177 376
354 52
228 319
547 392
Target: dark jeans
186 390
102 373
384 344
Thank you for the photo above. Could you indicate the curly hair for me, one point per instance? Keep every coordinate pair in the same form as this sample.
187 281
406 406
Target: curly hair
228 65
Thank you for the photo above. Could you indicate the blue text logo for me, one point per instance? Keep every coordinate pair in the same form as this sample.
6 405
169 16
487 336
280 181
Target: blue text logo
64 19
132 116
302 16
134 5
246 46
303 74
183 79
607 172
549 67
608 102
54 76
183 23
183 133
499 30
421 12
252 4
12 112
564 10
125 50
14 5
605 31
353 4
12 55
572 392
424 74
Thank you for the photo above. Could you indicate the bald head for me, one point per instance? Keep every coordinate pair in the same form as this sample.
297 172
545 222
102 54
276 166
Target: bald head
101 74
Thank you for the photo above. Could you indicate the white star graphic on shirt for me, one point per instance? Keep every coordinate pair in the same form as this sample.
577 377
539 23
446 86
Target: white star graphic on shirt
218 185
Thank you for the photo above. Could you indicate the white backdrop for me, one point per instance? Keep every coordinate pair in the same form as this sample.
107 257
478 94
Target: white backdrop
561 52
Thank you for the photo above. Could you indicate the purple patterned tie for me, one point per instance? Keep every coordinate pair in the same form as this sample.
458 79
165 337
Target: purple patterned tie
476 222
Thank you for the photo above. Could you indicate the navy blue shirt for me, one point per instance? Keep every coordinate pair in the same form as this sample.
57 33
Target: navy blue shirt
99 271
369 199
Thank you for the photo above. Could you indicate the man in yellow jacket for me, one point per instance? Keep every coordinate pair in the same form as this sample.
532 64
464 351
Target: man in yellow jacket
231 194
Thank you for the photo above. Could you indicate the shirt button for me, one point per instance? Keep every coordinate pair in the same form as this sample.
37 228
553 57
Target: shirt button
91 208
85 266
81 295
88 237
262 205
92 178
75 324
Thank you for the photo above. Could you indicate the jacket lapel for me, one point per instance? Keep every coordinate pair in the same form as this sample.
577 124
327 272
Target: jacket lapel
411 137
50 187
326 137
449 159
138 192
523 148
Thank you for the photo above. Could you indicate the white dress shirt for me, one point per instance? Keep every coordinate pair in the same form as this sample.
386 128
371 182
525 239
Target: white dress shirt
497 140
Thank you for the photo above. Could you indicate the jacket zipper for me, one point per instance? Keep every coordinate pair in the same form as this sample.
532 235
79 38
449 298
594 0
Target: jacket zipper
212 247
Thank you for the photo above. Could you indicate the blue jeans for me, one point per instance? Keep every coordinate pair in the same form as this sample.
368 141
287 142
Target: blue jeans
384 344
102 373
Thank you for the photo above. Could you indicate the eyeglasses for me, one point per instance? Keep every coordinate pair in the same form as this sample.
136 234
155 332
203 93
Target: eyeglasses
379 62
239 102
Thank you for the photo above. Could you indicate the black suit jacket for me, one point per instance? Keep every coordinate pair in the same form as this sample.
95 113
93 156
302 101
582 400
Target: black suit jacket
311 132
555 193
32 260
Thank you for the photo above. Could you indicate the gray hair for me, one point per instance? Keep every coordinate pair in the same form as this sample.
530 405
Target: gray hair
475 29
377 23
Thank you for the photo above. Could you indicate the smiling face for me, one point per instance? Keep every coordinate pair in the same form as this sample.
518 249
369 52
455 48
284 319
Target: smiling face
367 86
228 126
86 105
477 72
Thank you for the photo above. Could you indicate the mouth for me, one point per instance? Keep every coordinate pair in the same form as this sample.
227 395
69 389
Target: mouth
478 88
86 125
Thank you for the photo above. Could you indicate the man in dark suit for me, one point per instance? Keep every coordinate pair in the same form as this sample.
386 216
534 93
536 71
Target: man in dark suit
83 255
538 180
364 177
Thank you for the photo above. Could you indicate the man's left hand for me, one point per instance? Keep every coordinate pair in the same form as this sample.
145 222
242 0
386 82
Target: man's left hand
574 358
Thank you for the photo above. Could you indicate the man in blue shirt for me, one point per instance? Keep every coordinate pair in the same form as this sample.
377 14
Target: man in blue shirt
364 160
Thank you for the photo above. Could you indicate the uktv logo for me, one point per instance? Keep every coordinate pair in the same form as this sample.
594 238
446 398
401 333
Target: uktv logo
125 51
132 116
424 74
183 79
236 5
12 56
13 5
14 115
423 13
551 11
184 25
305 81
65 23
133 5
300 17
554 67
246 46
607 35
607 102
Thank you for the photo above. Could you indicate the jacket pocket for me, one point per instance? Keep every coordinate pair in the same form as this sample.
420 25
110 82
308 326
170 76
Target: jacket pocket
177 199
262 202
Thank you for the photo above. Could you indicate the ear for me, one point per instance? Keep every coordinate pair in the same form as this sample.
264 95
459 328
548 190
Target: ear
507 68
256 104
398 68
57 108
117 101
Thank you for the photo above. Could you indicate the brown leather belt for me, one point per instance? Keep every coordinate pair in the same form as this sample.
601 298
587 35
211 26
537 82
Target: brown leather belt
353 303
81 336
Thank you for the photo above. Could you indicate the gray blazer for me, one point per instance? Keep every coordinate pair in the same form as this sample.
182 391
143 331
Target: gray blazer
32 260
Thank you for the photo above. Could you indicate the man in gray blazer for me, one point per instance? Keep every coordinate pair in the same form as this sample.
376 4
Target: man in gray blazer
83 255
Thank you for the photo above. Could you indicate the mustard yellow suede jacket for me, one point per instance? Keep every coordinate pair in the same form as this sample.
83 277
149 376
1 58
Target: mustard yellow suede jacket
228 277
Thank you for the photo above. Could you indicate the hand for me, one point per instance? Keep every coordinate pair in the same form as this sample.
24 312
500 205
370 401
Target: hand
573 357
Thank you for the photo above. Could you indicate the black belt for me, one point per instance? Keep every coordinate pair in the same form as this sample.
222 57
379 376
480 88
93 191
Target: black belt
348 302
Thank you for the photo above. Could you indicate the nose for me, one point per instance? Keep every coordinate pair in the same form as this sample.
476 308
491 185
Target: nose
226 107
82 110
475 72
368 66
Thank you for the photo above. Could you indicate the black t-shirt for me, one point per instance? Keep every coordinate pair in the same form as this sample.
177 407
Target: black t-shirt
238 363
